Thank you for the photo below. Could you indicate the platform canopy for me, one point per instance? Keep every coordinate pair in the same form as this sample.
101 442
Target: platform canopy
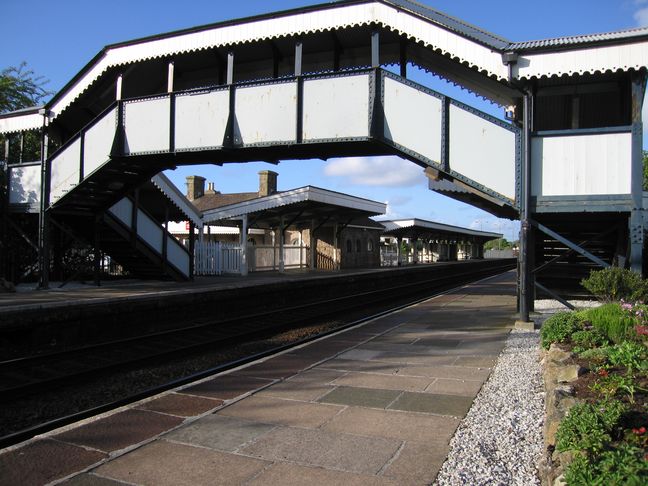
299 207
428 230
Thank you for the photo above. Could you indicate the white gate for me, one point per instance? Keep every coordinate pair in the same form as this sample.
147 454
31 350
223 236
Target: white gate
216 258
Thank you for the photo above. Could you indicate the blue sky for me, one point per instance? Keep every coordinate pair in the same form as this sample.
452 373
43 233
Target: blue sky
57 39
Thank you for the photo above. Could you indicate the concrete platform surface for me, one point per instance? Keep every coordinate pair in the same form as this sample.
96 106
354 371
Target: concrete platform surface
375 405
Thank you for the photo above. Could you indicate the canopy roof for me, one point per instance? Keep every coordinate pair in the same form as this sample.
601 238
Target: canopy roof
297 207
421 229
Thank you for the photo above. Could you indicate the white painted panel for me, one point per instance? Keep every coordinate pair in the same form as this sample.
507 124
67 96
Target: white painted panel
25 184
123 210
98 142
147 125
201 120
65 171
177 255
149 231
581 165
482 151
266 113
413 119
336 107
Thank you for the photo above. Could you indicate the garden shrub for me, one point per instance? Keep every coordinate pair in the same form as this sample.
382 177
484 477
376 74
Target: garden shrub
614 283
611 321
588 339
595 355
559 327
587 427
615 467
630 355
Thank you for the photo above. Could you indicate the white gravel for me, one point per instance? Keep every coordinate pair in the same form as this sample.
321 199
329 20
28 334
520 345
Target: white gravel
500 440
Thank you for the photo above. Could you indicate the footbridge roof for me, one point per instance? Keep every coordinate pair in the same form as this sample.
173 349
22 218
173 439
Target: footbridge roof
478 60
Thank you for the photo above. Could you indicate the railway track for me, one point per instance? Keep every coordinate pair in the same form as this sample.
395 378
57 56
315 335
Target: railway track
33 375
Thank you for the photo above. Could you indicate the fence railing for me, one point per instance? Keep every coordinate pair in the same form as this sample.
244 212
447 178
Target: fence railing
217 258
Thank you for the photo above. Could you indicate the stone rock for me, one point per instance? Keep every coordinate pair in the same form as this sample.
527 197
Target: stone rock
558 355
560 481
569 373
7 286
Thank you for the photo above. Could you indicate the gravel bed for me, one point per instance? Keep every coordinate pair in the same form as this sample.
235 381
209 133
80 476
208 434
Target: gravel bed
500 440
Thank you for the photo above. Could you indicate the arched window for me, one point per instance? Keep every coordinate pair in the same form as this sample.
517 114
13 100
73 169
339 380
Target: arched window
358 246
349 246
370 245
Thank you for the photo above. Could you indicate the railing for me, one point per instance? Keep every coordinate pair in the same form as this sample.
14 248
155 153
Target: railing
155 237
217 258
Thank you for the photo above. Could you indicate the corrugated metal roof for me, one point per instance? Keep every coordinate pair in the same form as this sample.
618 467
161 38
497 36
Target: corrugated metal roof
571 41
451 23
422 224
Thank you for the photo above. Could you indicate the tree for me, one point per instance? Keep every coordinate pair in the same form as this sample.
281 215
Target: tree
497 244
21 88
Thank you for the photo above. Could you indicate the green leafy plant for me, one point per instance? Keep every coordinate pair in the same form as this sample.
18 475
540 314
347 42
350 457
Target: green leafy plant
615 467
610 321
610 385
559 327
614 283
630 355
587 427
588 339
597 356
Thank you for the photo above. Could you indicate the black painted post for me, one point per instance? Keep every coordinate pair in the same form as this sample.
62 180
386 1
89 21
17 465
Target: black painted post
524 291
636 184
43 220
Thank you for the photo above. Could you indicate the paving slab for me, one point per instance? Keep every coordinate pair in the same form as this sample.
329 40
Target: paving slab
219 432
296 390
181 405
317 376
281 366
91 480
447 371
360 354
416 463
419 359
285 412
44 461
385 382
361 397
476 361
226 387
288 474
164 463
345 365
444 386
346 452
120 430
433 430
453 405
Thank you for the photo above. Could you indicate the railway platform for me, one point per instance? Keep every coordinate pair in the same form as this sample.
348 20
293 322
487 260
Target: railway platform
375 404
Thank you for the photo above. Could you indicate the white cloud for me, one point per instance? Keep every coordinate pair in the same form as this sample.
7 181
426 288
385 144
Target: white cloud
388 171
399 200
641 17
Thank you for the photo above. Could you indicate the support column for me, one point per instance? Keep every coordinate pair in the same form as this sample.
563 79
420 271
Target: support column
415 250
636 184
282 263
335 247
43 220
192 250
244 245
399 243
525 277
313 246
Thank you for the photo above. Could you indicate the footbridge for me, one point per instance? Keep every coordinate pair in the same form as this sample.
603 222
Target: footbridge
331 81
